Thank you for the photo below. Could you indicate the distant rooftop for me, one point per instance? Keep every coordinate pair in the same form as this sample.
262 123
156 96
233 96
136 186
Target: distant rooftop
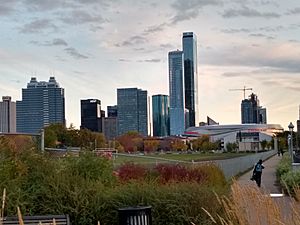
43 84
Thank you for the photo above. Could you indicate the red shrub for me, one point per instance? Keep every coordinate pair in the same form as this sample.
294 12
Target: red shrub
130 171
178 173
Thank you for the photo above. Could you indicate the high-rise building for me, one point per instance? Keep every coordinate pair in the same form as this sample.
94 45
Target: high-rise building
176 90
91 114
189 45
112 111
7 115
160 115
109 127
43 103
132 111
252 112
109 124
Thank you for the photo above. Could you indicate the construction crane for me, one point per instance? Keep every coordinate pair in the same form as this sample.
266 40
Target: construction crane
242 89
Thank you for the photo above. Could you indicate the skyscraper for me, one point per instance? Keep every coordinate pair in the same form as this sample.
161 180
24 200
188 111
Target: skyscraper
176 90
189 45
112 111
7 115
160 115
109 124
132 111
43 103
91 114
252 112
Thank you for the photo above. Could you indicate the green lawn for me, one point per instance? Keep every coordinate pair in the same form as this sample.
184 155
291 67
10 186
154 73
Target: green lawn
165 158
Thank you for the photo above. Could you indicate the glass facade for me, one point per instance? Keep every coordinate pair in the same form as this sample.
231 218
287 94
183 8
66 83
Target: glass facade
160 115
189 45
43 103
112 111
252 112
91 114
7 115
176 91
132 111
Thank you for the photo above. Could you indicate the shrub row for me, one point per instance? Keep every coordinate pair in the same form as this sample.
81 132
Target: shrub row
87 189
288 178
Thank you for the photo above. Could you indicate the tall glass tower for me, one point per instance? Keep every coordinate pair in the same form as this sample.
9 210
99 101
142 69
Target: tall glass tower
189 45
160 115
252 112
132 110
91 114
7 115
176 90
43 103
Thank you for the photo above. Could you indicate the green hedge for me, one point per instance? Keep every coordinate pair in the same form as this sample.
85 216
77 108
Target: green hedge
86 188
288 178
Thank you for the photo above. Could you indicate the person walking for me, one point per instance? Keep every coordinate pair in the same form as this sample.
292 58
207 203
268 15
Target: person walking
257 171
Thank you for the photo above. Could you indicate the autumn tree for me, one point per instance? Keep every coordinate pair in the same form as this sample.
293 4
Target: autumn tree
131 141
150 145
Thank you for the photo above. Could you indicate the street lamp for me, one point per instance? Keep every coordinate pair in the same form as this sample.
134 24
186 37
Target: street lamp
291 127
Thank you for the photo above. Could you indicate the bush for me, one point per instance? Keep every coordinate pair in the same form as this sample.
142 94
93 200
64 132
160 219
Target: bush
84 187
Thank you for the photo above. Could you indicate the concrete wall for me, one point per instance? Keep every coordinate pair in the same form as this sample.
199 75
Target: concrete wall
234 166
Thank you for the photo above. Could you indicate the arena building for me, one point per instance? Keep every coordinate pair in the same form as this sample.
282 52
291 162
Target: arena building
247 136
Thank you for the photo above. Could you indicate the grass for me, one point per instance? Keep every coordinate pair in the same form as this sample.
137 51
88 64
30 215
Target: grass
249 205
163 158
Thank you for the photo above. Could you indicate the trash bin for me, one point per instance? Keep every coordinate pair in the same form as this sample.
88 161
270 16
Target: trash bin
139 215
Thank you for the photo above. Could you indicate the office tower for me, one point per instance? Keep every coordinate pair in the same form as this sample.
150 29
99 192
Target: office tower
262 115
132 111
43 103
252 112
109 127
91 114
176 90
112 111
298 123
160 115
7 115
189 45
109 124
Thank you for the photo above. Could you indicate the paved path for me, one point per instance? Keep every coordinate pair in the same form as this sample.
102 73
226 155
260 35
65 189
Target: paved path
269 185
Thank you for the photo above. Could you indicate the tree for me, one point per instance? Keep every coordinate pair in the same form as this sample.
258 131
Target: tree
131 141
264 144
150 145
231 147
178 145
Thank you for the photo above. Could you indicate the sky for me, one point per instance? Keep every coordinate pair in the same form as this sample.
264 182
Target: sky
93 47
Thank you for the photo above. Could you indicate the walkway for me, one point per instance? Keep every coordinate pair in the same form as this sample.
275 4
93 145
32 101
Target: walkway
269 186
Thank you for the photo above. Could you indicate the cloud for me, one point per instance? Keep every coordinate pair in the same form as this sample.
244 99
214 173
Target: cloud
280 58
150 60
38 26
250 13
262 35
132 41
75 54
189 9
54 42
6 8
124 60
46 5
294 11
155 28
78 17
167 46
233 31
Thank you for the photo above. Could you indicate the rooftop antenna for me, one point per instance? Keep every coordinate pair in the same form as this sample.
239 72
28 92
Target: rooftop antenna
242 89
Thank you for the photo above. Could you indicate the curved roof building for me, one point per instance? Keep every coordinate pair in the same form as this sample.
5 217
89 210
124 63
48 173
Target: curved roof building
250 135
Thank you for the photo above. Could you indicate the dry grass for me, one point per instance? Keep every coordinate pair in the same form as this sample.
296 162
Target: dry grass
250 206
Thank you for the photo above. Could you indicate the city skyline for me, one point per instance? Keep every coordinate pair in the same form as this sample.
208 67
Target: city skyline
86 46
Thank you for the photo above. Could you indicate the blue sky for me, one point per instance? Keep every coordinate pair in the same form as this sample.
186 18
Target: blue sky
93 47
